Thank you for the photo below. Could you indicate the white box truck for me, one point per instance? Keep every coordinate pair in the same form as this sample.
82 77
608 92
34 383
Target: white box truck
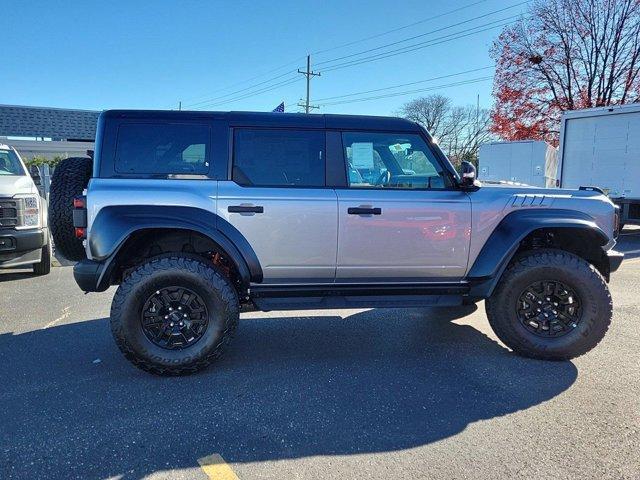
529 162
600 147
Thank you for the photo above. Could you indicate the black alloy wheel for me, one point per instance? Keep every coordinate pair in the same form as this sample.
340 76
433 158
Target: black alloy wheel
549 308
174 318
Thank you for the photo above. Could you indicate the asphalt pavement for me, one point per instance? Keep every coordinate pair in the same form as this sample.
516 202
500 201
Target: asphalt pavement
415 393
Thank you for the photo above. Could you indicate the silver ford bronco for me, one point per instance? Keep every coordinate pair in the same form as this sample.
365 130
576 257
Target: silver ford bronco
195 215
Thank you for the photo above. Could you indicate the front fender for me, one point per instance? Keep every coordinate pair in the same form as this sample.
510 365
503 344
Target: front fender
504 241
115 224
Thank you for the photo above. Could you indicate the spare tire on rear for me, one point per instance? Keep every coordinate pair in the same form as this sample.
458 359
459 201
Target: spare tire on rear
70 178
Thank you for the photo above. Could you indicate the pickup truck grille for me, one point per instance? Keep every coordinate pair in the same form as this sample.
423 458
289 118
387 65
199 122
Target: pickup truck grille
10 212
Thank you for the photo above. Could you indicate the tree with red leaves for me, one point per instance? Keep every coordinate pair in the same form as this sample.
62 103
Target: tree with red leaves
564 55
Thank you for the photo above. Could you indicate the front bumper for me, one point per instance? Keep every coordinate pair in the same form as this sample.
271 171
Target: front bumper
92 276
615 259
21 247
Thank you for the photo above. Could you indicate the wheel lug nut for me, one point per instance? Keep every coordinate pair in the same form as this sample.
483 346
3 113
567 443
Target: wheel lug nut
170 309
179 308
171 324
166 317
184 315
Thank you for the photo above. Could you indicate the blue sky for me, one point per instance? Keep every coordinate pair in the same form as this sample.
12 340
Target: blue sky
137 54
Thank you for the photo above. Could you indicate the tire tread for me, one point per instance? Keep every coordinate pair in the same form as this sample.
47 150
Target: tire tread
547 258
217 281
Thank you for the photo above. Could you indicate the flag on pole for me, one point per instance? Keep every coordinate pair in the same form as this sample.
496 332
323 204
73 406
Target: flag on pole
279 108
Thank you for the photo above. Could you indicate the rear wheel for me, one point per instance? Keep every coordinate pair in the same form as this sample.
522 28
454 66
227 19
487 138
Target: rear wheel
174 315
550 304
70 178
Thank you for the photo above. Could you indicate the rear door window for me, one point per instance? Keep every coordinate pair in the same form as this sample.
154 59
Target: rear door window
278 157
162 149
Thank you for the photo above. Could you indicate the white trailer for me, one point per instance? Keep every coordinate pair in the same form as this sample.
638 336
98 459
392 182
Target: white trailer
528 161
601 147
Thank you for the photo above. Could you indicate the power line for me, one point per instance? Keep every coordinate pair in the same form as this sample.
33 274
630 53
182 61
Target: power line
254 93
250 87
409 92
398 28
473 19
390 87
268 84
213 99
421 45
234 85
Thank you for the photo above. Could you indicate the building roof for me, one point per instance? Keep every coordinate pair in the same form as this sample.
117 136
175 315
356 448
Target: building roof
57 123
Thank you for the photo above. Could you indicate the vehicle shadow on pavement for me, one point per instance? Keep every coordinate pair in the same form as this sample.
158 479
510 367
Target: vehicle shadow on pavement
15 275
288 387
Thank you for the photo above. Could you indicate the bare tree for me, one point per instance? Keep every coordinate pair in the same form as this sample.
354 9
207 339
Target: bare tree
459 131
428 111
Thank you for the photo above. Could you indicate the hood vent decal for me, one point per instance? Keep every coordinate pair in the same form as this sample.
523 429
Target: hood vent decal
530 200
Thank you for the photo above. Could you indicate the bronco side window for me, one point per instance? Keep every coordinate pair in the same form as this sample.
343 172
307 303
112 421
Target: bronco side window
278 157
177 149
389 160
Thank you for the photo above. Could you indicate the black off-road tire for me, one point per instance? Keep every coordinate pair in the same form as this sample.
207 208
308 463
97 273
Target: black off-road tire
554 265
70 178
217 292
44 266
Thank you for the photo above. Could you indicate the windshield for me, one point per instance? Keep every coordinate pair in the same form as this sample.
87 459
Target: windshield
9 163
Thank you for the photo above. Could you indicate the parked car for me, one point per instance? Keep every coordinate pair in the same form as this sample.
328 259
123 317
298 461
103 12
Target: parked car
193 214
24 235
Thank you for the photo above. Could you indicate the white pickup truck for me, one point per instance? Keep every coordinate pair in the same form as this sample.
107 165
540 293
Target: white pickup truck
24 232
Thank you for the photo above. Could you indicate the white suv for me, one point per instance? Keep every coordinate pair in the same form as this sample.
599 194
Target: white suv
24 234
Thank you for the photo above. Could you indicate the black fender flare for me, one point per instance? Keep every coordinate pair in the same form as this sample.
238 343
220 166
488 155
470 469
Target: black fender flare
504 241
115 224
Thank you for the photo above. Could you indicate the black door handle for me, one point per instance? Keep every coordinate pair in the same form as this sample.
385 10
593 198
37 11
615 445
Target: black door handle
245 209
364 211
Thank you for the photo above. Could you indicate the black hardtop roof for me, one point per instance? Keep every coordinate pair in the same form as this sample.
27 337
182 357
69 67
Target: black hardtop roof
348 122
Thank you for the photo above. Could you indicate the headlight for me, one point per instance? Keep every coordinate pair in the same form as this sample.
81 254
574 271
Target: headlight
31 212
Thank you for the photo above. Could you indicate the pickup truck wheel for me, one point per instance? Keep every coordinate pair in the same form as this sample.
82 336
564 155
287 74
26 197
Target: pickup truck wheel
70 178
551 305
44 266
173 315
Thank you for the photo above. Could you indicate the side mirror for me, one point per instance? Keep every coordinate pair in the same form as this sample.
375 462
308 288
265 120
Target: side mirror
34 171
469 174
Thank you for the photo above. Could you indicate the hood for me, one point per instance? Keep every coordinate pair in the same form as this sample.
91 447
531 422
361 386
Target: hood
11 185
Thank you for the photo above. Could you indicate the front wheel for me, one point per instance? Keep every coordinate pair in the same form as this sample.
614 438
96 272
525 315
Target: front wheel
551 305
173 315
43 267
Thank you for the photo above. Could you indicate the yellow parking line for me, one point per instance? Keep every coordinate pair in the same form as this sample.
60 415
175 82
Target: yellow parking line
216 468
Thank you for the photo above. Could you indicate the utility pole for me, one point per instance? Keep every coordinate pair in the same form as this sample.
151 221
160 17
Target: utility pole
308 73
